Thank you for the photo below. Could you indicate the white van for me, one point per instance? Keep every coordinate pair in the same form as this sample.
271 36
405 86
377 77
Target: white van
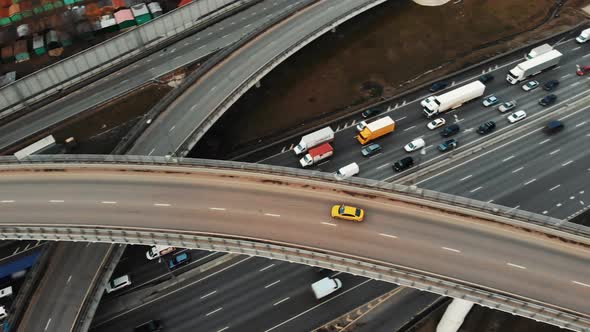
347 171
584 36
3 313
157 251
4 292
325 287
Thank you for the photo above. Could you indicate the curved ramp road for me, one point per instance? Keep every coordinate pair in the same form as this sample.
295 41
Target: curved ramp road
187 114
297 211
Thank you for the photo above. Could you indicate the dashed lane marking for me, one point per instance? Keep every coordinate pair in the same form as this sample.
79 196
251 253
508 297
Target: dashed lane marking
516 266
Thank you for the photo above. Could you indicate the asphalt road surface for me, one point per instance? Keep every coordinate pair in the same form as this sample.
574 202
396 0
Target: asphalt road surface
58 298
453 246
151 67
180 120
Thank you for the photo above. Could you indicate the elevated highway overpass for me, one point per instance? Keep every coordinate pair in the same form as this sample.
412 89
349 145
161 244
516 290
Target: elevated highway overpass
480 252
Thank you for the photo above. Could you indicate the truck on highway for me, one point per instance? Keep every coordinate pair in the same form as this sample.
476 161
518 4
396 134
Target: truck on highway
376 129
435 105
535 52
533 66
584 36
316 138
158 251
325 287
317 154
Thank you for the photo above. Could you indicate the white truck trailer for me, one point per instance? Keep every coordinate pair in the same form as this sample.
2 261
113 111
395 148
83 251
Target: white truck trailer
435 105
317 154
316 138
533 66
584 36
325 287
535 52
454 316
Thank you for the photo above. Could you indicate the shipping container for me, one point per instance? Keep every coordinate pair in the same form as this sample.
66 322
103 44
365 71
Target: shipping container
4 17
21 51
7 54
26 8
125 19
119 4
39 45
54 46
23 31
141 13
155 9
108 24
15 13
5 3
47 5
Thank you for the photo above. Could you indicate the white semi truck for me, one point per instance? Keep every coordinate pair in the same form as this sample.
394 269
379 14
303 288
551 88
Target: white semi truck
435 105
325 287
584 36
533 66
535 52
317 154
316 138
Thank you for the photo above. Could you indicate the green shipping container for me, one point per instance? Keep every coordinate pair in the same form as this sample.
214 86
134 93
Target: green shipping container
141 19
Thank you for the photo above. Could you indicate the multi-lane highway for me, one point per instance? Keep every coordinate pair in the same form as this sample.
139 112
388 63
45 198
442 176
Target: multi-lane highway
412 236
182 117
153 66
252 294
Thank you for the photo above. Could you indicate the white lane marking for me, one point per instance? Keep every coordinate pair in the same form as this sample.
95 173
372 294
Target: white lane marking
401 118
27 247
567 163
56 201
467 177
581 124
217 209
47 325
223 329
7 201
506 159
545 141
272 284
517 170
214 311
575 83
208 294
451 249
580 283
200 47
161 204
16 250
567 75
281 301
272 215
266 268
109 202
554 152
491 200
154 149
545 212
317 306
583 56
224 36
516 266
384 165
474 190
388 235
558 204
529 182
248 25
171 129
412 127
557 186
69 279
576 48
329 224
213 88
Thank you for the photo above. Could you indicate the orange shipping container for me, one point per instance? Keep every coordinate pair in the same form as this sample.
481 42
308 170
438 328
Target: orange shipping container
119 4
5 3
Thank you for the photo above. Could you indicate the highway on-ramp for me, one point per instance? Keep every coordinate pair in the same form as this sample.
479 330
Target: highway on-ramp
297 211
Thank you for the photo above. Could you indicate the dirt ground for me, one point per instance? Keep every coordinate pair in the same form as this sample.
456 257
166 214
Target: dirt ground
377 55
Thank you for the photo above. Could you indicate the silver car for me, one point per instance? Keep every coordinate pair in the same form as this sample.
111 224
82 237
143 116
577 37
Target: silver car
507 106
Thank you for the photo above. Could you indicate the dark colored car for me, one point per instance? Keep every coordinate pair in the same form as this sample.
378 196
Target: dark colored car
447 145
438 86
450 130
371 112
370 150
403 164
151 326
553 127
487 127
548 100
178 260
551 85
485 78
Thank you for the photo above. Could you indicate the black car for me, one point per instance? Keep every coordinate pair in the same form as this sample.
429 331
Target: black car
403 164
487 127
447 145
438 86
485 78
548 100
371 112
151 326
450 130
553 127
551 85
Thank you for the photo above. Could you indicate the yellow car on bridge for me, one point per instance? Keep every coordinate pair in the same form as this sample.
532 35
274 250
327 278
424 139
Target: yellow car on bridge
347 213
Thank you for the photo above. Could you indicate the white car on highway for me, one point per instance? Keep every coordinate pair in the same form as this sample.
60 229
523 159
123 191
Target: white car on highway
436 123
414 145
516 116
118 283
530 85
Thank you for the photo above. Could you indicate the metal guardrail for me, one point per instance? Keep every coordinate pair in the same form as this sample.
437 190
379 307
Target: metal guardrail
103 57
215 114
311 256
